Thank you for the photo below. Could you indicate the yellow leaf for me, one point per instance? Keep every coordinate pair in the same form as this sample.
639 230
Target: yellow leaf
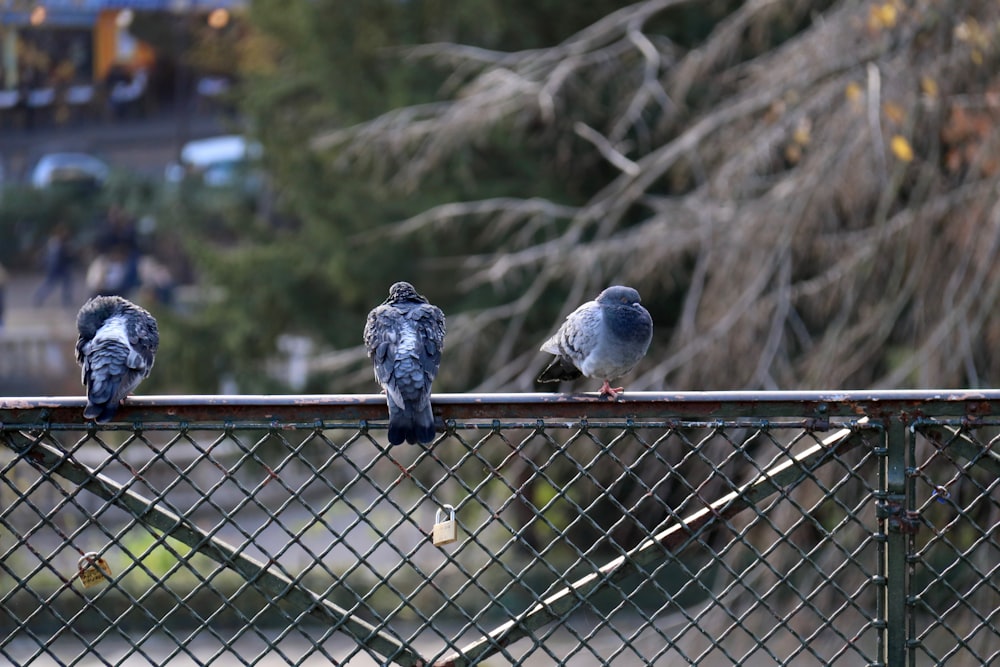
894 112
852 92
887 14
802 133
883 16
977 56
874 23
901 148
929 86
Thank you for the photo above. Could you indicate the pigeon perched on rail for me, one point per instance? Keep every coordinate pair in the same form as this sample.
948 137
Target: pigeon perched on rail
404 337
602 339
116 347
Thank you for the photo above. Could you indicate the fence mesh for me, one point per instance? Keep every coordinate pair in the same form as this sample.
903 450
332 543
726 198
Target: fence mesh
202 532
955 555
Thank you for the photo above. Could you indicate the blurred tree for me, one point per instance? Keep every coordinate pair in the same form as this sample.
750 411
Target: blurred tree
316 267
804 192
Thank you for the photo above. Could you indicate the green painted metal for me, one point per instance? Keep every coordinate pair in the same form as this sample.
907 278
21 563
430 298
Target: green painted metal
894 422
214 411
897 540
674 538
281 588
910 452
952 439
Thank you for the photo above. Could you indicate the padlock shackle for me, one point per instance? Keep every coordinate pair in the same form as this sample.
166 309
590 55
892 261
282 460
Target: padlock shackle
451 513
91 557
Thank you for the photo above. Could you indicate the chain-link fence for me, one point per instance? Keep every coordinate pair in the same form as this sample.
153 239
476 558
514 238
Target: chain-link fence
700 529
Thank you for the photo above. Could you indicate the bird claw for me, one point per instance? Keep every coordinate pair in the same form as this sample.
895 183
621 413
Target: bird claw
611 392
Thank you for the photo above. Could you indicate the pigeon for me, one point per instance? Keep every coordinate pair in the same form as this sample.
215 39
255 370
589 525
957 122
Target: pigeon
116 347
602 339
404 337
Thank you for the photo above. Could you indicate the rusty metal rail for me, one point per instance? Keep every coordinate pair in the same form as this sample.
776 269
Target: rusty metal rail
820 405
713 528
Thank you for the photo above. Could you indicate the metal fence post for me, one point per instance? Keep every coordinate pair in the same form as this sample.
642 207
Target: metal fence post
895 527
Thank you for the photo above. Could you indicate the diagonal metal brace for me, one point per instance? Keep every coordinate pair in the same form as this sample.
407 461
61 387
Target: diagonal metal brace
49 459
954 440
656 547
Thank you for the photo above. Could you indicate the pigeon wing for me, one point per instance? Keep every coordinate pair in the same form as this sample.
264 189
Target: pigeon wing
103 365
431 328
82 347
144 339
382 333
578 335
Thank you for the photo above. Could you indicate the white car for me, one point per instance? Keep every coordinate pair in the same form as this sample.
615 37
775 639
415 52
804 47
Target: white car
217 161
69 168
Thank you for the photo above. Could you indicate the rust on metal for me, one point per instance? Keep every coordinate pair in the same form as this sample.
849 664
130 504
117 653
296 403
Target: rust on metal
276 410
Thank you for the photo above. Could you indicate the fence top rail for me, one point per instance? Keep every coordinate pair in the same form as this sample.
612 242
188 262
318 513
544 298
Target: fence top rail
696 405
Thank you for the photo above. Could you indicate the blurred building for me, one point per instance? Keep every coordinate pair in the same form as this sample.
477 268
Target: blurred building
61 55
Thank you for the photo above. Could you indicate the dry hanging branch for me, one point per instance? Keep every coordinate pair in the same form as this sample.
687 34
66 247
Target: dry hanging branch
765 186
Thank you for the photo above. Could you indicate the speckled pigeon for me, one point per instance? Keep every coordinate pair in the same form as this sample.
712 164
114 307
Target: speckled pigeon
602 339
116 347
404 337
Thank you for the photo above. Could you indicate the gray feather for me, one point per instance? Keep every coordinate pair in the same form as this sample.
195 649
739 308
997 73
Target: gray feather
404 337
116 348
602 339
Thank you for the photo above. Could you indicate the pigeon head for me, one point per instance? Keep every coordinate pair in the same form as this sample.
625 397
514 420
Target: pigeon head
403 291
617 295
96 312
624 314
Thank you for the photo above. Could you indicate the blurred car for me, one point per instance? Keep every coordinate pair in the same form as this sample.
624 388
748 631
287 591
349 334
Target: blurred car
72 169
221 174
217 162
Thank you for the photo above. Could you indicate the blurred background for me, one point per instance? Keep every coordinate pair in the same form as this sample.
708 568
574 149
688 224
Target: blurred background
805 193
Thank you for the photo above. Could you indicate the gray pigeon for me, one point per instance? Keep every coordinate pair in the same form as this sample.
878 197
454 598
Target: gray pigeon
117 343
404 337
602 339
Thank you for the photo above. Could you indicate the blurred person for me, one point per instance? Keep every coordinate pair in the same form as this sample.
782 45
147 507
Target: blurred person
61 78
156 277
118 231
58 264
3 294
118 75
111 274
118 243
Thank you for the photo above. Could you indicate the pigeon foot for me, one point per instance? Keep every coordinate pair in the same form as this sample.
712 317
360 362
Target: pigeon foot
611 392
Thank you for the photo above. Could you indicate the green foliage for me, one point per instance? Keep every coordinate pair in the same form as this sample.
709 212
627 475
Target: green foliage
28 216
317 264
157 556
316 261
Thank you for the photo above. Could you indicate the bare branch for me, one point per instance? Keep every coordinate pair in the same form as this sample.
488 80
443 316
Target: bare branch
607 150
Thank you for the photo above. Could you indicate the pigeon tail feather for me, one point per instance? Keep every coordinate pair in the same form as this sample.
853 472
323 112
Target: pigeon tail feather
105 394
560 369
100 412
412 426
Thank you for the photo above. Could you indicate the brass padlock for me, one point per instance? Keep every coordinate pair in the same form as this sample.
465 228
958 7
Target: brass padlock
445 531
93 569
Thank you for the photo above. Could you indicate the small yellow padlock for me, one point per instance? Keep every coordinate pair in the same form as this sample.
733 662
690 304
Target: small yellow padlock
93 569
445 531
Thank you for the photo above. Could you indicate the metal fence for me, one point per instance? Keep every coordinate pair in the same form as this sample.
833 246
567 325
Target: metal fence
700 529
